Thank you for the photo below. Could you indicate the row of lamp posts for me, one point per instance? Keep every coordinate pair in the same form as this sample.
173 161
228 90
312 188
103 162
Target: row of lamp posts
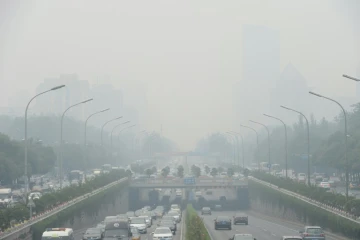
234 134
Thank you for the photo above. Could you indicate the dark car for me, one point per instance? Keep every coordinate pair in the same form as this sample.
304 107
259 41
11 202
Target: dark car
93 234
312 233
205 210
241 218
222 222
218 207
170 225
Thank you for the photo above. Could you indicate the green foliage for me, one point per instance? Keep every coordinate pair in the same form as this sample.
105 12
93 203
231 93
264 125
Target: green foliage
51 200
41 159
230 172
214 172
305 212
165 171
196 171
207 169
195 228
180 171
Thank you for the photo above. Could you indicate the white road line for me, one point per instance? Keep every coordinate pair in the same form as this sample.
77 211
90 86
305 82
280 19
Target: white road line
273 234
264 230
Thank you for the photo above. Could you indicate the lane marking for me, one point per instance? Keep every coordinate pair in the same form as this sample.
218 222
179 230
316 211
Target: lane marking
264 230
273 234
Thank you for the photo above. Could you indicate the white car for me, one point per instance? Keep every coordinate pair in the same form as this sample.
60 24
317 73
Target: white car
162 233
175 214
139 223
325 185
148 220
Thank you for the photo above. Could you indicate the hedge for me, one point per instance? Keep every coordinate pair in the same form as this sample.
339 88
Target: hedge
48 201
305 212
195 228
335 200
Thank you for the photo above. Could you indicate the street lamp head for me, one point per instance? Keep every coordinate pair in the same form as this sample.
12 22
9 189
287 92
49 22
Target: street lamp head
285 107
105 110
118 117
267 115
316 94
57 87
352 78
88 100
126 122
132 126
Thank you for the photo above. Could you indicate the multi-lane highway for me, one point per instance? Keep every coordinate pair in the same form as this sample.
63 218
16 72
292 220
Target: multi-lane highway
261 227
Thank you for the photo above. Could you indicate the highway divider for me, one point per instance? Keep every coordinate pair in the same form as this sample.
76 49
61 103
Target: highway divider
195 228
306 210
57 211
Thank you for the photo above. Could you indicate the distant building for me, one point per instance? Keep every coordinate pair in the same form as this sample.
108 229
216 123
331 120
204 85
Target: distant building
261 69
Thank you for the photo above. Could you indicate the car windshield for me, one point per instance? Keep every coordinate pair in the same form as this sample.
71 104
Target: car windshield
173 213
162 231
56 238
314 230
116 233
206 208
138 220
293 239
92 231
221 218
243 238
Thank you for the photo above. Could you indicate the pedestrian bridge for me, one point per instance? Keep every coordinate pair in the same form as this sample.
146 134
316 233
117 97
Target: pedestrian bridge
182 183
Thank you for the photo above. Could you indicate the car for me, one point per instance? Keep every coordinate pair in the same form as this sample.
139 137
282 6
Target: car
241 218
291 238
139 223
170 225
148 220
170 218
242 236
101 226
135 234
222 222
93 233
312 233
206 210
218 207
161 233
168 221
175 214
325 185
301 178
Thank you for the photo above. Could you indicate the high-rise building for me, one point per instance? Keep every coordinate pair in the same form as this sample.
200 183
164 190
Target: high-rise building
75 91
261 69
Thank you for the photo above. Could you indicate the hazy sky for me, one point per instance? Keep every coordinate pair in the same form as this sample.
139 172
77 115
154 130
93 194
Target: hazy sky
186 53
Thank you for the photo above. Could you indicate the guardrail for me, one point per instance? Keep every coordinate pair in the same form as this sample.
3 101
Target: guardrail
323 206
180 182
41 216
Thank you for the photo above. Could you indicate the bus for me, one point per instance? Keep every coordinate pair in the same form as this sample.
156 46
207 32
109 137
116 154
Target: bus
58 234
118 229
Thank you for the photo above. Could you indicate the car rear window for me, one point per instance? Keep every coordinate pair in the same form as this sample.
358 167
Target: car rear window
314 230
220 218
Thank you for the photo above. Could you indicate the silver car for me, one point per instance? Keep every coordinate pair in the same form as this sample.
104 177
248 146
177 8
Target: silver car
312 233
291 238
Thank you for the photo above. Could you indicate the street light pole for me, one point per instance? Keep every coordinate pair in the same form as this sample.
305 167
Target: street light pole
257 139
25 139
91 115
346 136
268 132
308 139
242 147
60 164
236 149
102 127
122 131
286 143
112 131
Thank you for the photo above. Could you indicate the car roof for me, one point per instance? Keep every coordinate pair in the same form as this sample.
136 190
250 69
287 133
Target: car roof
223 217
312 227
243 234
298 237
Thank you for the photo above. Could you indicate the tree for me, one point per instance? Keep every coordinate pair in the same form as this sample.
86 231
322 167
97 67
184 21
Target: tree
196 171
128 173
154 170
230 172
214 172
148 172
207 169
220 169
180 171
246 172
165 171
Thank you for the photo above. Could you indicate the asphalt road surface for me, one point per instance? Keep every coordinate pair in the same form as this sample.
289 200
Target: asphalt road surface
260 228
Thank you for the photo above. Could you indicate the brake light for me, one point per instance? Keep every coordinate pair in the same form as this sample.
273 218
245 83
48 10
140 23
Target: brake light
322 235
306 234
